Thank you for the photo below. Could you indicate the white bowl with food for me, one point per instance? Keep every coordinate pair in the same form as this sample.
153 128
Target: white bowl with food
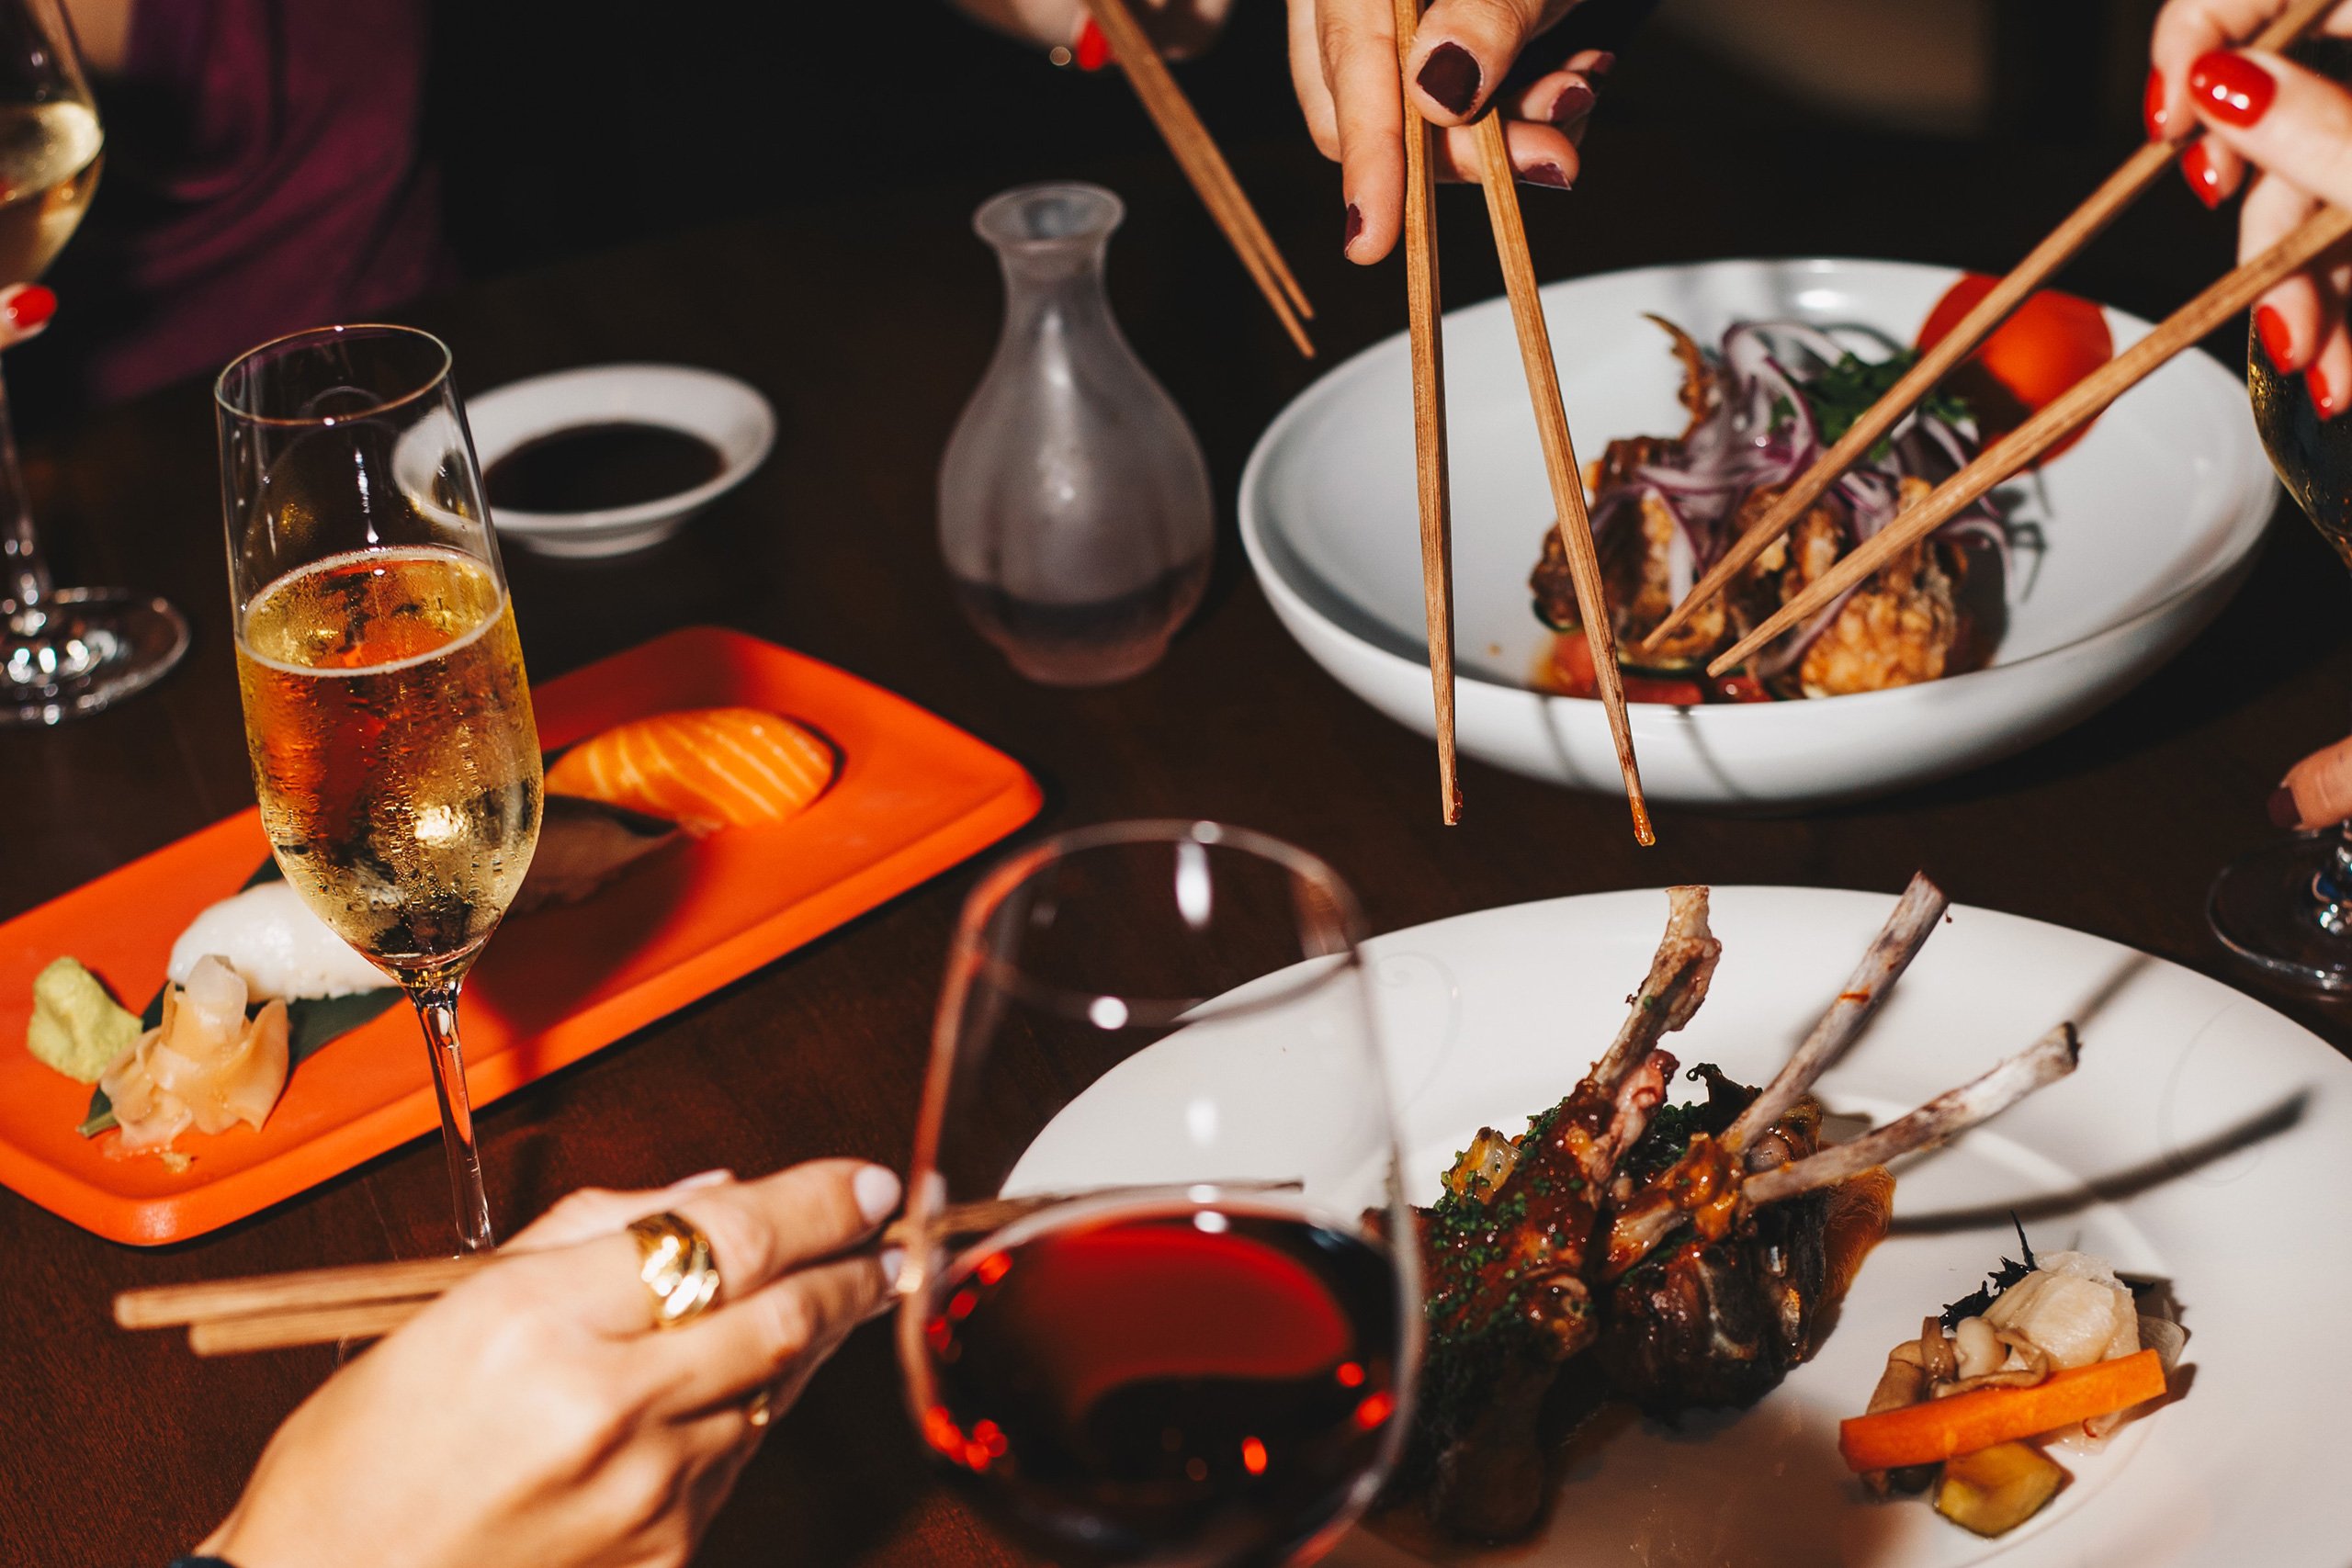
2120 551
610 459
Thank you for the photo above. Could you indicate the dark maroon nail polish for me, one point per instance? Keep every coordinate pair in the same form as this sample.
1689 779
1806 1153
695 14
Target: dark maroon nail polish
1450 77
2282 809
1355 227
1602 65
1546 174
1574 101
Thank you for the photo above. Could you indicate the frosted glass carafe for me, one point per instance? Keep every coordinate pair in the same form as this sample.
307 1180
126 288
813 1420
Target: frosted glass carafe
1074 508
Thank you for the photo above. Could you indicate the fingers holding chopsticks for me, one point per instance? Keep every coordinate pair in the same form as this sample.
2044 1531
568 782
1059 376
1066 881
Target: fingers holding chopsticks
761 1231
2295 128
1344 68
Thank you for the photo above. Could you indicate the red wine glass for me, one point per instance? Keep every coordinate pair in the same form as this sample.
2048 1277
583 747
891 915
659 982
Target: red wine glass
1194 1343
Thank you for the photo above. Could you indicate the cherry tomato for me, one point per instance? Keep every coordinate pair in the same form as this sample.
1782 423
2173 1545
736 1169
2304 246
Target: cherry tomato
2053 341
1572 676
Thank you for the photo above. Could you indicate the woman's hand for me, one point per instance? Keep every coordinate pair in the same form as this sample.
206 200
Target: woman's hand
2295 128
532 1416
1343 63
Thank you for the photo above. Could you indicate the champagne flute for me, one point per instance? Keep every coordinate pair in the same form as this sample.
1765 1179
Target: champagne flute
64 651
387 715
2287 907
1200 1352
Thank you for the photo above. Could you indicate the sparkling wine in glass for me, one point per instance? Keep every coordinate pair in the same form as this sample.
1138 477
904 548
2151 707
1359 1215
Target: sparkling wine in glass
1200 1351
2287 907
64 651
387 713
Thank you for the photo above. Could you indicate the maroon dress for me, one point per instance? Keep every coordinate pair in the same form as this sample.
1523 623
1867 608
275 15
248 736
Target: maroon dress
264 173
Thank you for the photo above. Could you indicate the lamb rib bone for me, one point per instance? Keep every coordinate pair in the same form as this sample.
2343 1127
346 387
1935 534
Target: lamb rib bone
2044 1062
1889 954
1641 1226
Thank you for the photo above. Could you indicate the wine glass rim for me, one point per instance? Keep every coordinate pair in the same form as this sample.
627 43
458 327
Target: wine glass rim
1107 1010
307 335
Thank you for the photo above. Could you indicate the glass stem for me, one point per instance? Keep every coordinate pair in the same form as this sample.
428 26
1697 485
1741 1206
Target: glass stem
2332 887
25 583
436 1009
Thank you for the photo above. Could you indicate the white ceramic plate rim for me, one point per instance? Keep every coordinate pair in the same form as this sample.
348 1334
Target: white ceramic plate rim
2247 532
738 466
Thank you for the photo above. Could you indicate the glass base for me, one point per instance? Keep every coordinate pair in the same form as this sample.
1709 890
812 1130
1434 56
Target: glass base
84 649
2264 909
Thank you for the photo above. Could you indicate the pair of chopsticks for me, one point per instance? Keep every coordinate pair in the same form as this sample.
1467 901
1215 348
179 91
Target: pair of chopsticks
1196 153
320 1306
1999 462
1550 424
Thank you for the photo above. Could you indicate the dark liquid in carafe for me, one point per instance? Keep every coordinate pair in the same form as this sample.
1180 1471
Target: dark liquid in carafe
588 468
1088 643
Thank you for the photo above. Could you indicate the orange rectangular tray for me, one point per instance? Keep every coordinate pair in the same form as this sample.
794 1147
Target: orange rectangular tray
915 796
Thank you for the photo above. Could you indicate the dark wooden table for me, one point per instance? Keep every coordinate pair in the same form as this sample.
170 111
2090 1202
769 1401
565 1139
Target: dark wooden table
867 324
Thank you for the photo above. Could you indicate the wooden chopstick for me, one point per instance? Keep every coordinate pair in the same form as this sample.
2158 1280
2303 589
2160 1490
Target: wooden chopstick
1429 415
2074 408
2119 191
317 1306
1559 451
1196 153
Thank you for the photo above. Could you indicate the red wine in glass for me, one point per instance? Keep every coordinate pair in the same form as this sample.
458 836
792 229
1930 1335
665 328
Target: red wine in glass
1172 1383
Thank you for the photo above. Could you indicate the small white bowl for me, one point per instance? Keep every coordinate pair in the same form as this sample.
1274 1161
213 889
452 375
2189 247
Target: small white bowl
2151 524
722 410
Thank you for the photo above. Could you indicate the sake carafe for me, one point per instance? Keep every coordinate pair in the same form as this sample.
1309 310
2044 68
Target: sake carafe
1074 508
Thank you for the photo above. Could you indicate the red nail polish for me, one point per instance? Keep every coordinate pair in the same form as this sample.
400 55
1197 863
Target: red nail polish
2196 168
2232 88
1603 64
1547 174
2152 108
2324 397
1355 227
2278 342
2282 809
32 305
1093 49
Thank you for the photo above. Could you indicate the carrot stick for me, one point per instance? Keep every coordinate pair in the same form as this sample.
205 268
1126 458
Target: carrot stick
1929 1433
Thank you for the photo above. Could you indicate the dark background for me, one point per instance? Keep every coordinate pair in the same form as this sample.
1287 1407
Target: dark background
570 126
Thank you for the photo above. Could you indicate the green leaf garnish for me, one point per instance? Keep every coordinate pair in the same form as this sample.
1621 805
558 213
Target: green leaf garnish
1844 392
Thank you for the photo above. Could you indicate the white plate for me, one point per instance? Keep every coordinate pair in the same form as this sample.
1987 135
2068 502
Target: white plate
2151 523
727 412
2204 1139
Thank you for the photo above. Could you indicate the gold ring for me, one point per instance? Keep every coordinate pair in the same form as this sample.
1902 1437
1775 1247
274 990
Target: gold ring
761 1409
673 1260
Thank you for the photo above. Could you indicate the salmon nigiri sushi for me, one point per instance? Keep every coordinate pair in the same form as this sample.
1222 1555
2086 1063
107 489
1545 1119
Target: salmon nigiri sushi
703 768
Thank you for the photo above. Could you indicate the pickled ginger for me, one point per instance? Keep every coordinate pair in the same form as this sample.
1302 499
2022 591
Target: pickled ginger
206 1066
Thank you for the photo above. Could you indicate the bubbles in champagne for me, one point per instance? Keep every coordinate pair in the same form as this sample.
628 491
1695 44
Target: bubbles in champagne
395 749
48 170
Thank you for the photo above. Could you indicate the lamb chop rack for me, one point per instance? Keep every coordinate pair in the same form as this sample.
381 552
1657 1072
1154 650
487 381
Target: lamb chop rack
1505 1252
1720 1268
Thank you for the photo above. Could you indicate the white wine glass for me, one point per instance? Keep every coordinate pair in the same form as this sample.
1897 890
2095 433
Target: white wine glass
1200 1351
64 651
386 714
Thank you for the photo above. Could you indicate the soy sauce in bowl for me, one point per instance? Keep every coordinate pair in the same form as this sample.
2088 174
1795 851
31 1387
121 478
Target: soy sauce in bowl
593 467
